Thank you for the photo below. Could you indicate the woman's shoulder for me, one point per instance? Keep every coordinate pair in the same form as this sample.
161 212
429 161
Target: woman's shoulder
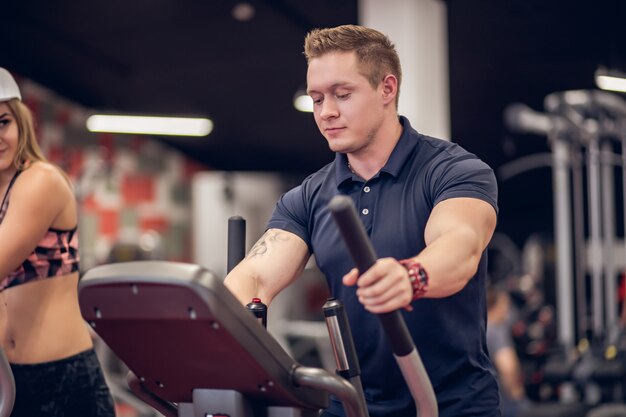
44 176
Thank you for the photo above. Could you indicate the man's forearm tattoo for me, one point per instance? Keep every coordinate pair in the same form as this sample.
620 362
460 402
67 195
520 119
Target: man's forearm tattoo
261 246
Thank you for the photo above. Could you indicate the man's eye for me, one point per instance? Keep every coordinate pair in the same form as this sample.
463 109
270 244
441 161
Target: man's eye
343 96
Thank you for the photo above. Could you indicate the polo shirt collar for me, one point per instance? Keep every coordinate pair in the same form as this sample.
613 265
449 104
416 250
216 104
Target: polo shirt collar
396 161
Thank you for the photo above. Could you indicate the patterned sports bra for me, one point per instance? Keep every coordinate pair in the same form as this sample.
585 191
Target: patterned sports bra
56 253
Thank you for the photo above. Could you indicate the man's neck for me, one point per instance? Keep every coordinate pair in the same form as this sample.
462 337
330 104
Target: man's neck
368 162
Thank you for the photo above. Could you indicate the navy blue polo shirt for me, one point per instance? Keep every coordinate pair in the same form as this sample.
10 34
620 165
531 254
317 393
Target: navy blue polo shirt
394 206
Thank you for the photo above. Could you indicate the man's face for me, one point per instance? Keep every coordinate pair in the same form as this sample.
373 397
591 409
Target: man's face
347 109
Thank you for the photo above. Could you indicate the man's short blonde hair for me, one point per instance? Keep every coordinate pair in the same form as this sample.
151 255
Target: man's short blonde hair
376 54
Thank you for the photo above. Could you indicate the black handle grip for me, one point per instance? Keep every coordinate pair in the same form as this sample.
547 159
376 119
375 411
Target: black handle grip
364 256
236 241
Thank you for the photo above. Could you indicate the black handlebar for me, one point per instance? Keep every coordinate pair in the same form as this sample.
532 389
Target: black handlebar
364 256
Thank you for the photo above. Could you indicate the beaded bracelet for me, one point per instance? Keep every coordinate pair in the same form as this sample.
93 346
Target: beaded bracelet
418 277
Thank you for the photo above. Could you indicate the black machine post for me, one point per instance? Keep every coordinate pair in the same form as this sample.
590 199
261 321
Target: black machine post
236 253
236 241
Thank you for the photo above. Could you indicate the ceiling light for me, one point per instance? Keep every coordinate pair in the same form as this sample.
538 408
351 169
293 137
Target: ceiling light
610 80
144 125
243 12
302 101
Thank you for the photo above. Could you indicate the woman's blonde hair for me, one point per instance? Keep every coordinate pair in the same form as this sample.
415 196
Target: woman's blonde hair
28 150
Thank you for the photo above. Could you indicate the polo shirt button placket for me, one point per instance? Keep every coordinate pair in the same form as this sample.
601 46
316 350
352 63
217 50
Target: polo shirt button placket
365 211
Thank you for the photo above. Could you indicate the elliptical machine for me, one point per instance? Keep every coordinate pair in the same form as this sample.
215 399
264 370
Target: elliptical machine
193 350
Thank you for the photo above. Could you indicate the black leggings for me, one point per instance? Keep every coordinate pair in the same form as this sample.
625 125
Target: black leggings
70 387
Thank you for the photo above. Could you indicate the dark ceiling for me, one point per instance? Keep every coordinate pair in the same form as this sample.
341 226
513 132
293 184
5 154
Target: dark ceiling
187 58
192 57
520 51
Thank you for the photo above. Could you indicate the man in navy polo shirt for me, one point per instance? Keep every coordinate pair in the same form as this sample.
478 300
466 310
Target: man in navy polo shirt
429 208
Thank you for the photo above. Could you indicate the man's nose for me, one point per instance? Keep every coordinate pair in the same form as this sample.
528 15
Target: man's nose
329 109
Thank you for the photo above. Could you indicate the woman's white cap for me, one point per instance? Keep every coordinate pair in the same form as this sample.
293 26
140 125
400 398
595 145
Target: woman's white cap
8 86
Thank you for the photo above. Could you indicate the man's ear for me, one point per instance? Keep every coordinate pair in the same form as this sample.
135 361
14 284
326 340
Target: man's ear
389 88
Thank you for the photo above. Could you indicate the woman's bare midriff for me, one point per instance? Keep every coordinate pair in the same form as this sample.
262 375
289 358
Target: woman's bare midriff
40 321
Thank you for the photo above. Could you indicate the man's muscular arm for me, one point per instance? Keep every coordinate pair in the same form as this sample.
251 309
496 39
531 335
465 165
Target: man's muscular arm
273 263
456 234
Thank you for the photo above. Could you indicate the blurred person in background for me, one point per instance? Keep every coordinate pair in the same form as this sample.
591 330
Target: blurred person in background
503 353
